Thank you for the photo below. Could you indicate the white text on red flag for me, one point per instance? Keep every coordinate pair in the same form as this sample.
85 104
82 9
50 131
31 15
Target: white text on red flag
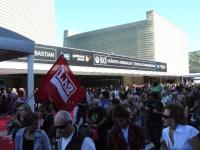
63 83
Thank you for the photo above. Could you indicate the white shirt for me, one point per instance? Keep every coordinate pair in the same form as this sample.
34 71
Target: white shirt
87 144
116 93
125 133
65 141
182 135
90 98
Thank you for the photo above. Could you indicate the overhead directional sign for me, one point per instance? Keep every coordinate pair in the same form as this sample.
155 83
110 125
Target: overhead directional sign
77 57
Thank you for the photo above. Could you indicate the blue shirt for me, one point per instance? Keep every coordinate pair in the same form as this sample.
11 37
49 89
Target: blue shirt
105 103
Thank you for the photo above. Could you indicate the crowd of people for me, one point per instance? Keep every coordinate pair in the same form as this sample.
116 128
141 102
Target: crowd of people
109 118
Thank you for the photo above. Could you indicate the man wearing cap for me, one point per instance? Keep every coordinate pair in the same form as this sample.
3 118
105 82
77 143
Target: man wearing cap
69 136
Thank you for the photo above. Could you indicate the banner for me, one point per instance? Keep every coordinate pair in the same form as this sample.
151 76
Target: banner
77 57
60 86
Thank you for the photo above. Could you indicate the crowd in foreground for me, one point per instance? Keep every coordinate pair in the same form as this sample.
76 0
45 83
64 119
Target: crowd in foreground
124 118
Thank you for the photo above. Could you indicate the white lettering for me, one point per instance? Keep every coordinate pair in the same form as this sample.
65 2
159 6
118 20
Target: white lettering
44 54
63 84
144 65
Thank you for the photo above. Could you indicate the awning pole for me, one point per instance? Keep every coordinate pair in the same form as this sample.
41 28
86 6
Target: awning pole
30 82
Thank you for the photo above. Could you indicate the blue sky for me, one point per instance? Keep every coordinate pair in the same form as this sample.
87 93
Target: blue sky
87 15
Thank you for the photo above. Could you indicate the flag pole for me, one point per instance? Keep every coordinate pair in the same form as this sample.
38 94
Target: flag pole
30 96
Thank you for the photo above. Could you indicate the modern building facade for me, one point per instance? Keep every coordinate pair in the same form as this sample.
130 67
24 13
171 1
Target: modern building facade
34 19
154 38
194 61
131 53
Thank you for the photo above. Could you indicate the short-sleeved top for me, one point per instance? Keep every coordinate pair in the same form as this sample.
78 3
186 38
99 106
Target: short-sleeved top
182 135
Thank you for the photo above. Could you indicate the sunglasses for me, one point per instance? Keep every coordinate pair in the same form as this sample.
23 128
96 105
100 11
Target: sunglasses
62 126
166 117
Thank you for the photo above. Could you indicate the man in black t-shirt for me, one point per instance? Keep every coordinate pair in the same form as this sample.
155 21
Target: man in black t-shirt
46 119
154 109
98 117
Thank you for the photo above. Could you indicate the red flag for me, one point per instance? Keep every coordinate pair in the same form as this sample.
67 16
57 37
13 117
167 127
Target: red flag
60 86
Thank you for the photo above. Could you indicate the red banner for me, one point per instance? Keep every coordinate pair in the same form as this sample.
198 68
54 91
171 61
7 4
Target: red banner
60 86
